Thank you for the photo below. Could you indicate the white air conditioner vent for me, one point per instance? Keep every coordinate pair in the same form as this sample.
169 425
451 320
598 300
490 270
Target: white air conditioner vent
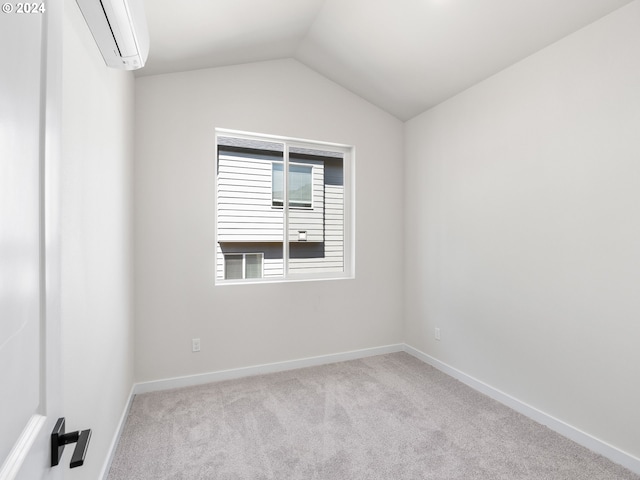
119 28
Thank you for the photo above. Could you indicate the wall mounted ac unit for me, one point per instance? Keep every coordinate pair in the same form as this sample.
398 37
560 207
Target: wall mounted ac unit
119 27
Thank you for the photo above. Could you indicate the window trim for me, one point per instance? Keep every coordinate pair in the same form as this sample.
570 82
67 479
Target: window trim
348 153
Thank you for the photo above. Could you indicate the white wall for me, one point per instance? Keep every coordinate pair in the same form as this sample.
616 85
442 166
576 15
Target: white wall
246 325
96 241
523 230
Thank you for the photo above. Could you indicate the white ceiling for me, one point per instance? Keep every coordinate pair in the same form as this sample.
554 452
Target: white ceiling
403 55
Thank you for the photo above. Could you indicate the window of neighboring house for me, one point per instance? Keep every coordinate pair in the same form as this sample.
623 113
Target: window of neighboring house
239 266
283 208
300 185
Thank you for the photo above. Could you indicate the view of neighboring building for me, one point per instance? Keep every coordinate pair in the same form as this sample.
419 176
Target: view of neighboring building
251 217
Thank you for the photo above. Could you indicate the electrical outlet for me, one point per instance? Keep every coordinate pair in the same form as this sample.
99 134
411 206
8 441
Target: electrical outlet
437 333
195 344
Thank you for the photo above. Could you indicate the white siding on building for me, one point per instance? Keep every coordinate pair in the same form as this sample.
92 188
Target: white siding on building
248 222
333 257
245 213
245 210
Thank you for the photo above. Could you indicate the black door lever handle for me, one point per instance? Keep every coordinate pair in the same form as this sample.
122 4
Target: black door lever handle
59 439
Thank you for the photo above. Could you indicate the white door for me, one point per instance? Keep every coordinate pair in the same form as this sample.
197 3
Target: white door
30 94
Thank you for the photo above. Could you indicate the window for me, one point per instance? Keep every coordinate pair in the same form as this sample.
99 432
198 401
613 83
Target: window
300 185
242 265
283 209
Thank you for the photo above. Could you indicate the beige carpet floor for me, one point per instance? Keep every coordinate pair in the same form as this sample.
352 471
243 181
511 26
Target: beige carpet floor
385 417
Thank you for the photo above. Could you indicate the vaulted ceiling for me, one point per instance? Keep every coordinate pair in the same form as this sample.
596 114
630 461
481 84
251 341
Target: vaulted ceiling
403 55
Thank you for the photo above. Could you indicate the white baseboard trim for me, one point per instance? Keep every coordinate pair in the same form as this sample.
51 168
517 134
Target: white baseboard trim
582 438
200 379
116 436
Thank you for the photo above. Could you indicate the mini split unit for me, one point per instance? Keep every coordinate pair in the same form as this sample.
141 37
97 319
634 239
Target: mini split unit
119 28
